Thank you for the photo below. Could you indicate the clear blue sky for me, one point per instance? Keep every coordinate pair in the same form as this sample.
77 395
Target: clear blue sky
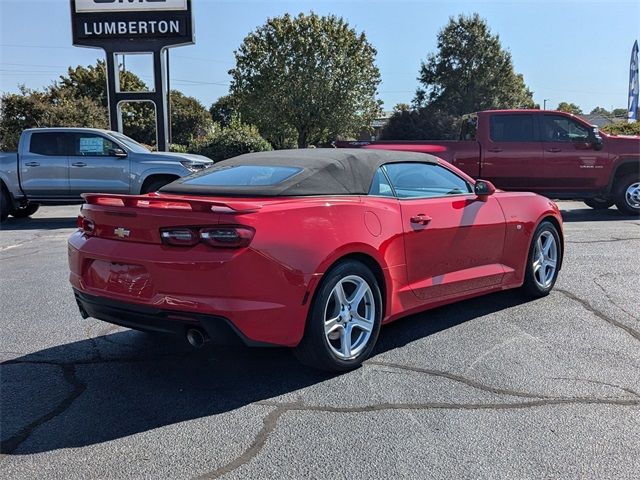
576 51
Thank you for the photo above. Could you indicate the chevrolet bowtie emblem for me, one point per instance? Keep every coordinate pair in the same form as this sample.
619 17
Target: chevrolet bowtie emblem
121 232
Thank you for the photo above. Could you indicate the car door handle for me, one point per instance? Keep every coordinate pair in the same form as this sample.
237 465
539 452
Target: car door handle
79 164
420 219
32 164
494 150
554 150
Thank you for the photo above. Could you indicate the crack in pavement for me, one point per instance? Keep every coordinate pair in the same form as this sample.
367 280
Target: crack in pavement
587 306
9 445
608 295
270 422
598 382
457 378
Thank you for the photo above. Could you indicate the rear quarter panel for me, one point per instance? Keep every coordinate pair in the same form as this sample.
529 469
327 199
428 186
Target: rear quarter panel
523 213
308 236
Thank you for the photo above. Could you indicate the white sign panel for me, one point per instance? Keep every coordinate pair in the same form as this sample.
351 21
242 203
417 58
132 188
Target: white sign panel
84 6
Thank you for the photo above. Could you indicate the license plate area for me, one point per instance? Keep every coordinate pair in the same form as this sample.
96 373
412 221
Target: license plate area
120 278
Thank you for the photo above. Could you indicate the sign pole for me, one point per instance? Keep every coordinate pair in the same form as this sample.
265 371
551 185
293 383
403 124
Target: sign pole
150 27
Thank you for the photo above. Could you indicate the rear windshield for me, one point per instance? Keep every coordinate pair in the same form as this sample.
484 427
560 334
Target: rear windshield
243 175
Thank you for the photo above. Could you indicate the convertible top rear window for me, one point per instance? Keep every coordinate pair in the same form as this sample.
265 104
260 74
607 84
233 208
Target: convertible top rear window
300 172
244 175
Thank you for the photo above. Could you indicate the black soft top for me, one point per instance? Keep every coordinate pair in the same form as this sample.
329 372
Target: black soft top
320 171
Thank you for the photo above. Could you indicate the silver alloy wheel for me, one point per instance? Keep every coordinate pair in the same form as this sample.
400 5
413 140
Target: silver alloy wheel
632 195
349 316
545 259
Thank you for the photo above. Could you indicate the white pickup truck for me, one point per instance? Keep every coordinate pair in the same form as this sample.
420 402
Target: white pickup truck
54 166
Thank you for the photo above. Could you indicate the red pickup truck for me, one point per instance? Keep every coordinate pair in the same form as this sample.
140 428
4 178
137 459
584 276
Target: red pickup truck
555 154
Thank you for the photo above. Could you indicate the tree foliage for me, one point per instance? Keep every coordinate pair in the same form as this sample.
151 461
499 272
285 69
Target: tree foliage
223 110
79 99
309 75
189 118
226 142
600 111
622 128
423 123
569 108
470 71
31 108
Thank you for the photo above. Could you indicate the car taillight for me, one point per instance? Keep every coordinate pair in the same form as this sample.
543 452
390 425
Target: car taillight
219 237
181 237
227 237
84 224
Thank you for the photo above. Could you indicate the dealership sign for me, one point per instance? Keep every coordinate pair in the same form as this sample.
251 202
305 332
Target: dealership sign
128 25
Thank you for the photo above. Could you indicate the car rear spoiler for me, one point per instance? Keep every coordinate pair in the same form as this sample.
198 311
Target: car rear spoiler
154 200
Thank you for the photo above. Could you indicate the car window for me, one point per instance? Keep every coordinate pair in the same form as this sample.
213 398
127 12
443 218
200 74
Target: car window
380 185
557 128
50 143
424 180
512 128
134 146
244 175
92 145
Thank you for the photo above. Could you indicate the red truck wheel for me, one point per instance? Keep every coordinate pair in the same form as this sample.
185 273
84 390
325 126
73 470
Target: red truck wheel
628 194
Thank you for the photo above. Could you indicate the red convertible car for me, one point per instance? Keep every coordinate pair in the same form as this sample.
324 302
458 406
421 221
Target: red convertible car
313 249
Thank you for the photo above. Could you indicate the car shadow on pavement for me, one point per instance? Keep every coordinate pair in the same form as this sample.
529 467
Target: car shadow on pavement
124 383
50 223
588 214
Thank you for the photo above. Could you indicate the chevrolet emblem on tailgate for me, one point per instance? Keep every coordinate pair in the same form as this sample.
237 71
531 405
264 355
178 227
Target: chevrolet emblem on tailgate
121 232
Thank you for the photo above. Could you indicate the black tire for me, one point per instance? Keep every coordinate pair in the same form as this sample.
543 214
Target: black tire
24 212
533 287
5 204
155 185
628 203
316 348
599 203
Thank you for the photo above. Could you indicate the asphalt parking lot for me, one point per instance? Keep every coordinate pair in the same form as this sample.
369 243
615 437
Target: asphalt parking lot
489 388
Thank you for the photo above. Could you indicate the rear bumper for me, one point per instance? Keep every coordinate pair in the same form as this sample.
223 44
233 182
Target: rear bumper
219 329
151 287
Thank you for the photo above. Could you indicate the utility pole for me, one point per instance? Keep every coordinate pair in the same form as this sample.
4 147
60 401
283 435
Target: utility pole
544 103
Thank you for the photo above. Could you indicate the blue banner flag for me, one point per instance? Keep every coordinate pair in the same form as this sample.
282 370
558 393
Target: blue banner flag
632 113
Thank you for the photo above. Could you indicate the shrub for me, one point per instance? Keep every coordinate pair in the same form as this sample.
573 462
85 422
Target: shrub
622 128
226 142
178 148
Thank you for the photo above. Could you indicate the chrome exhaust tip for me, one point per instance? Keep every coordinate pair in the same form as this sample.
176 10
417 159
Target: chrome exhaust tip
196 337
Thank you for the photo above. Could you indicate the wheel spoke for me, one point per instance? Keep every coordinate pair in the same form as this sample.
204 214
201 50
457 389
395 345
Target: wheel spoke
331 325
547 247
345 341
536 266
340 295
358 295
360 322
549 262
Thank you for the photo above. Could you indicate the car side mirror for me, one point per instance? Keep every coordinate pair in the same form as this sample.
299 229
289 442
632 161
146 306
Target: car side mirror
117 152
483 188
595 138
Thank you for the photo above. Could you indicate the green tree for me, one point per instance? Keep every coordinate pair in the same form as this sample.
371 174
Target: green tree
569 108
622 128
470 71
79 99
223 110
600 111
619 112
189 118
224 142
423 123
31 108
311 75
